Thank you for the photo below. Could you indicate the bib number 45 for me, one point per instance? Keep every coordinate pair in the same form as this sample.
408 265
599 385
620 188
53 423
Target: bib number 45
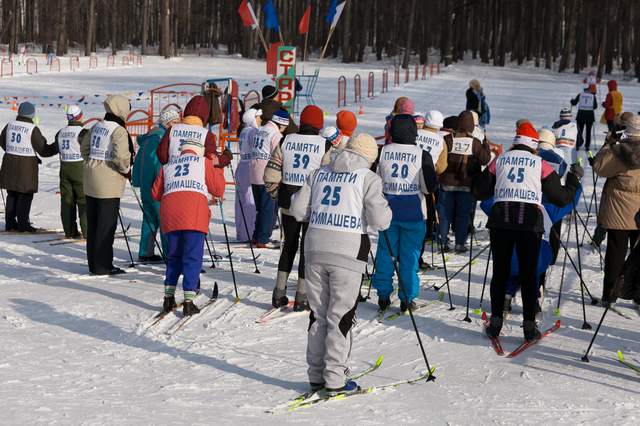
517 178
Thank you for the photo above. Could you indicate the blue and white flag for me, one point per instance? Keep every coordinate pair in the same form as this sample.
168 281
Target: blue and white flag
335 10
270 16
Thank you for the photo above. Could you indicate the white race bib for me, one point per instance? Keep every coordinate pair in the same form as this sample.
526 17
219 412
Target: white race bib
246 142
519 177
431 142
185 173
261 149
68 144
183 133
462 146
337 201
18 139
301 154
101 146
586 101
400 167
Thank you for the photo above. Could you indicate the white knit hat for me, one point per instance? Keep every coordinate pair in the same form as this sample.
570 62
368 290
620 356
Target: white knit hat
632 127
168 115
546 138
365 146
434 119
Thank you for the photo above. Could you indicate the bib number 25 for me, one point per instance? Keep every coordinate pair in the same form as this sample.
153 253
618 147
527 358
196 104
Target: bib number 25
331 195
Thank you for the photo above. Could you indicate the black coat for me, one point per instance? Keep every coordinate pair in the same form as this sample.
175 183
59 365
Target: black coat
20 173
473 103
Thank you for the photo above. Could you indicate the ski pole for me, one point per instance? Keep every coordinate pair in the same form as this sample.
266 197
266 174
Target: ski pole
466 318
373 271
585 324
126 240
591 237
444 260
431 377
4 204
564 264
213 263
244 219
155 238
226 236
585 357
463 267
484 281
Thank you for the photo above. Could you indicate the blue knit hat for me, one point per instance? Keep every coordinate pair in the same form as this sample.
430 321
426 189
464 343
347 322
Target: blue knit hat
27 109
281 117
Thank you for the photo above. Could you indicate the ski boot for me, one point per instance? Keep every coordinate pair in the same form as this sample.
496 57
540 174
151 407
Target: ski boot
383 304
460 248
424 266
349 387
531 332
169 304
279 298
495 326
301 303
154 258
538 311
315 387
404 306
189 308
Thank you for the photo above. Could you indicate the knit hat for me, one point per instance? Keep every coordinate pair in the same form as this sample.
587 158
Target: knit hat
450 122
27 109
407 107
269 92
526 135
475 84
403 129
434 119
249 117
632 129
521 121
198 106
331 135
547 139
565 114
419 118
281 117
346 122
365 146
465 122
167 116
74 113
312 116
193 145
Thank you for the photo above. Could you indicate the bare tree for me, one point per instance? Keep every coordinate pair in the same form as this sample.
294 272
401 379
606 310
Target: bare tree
91 28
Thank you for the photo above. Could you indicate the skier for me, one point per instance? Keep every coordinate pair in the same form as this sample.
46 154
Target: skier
466 155
72 199
473 98
341 202
291 162
518 179
407 174
269 105
612 104
182 187
21 140
265 141
252 120
566 133
193 127
619 162
107 150
399 107
145 169
587 103
346 122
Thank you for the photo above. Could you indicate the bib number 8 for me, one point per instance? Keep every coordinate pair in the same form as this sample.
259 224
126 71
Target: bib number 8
404 170
331 195
299 159
519 178
181 170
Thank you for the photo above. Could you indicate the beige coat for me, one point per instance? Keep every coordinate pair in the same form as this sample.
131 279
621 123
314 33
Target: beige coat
620 202
106 179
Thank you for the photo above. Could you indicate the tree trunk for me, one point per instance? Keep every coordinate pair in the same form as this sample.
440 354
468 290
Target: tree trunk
146 10
407 48
165 44
91 28
13 31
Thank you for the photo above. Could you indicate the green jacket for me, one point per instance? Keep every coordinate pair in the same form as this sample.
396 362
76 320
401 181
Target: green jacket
146 165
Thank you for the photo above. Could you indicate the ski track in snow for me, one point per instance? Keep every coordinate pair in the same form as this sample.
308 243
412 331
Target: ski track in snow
76 349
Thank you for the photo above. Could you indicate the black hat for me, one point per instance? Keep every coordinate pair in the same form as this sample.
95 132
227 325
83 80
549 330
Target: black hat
403 129
269 92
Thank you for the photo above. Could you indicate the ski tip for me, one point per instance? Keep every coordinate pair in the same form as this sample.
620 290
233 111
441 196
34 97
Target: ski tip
379 360
484 316
556 312
558 323
236 300
478 311
620 356
441 296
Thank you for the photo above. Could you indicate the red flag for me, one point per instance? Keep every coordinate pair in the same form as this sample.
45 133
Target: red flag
303 27
247 15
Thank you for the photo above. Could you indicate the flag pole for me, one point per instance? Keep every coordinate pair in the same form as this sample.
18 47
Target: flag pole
324 49
306 42
264 43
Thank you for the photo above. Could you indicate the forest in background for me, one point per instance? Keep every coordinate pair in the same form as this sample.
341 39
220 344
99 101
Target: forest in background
564 35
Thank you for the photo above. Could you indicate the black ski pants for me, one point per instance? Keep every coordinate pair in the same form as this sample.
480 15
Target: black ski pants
587 139
618 242
527 246
102 221
17 211
294 233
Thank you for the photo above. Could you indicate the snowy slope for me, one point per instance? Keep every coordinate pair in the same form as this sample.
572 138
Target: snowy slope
75 349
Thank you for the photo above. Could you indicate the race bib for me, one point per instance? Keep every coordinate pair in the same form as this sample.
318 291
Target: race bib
301 154
462 146
18 139
586 101
337 201
519 177
101 146
183 133
261 149
431 142
399 168
246 142
185 173
68 144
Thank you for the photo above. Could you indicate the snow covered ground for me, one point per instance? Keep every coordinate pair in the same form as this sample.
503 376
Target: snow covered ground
75 349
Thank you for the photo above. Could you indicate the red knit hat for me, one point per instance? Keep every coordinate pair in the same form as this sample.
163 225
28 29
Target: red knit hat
346 122
198 106
312 116
526 135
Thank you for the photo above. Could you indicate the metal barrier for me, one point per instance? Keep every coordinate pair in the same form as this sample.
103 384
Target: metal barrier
32 66
6 68
438 67
172 94
417 70
396 77
93 62
251 98
126 61
74 63
139 61
431 66
342 91
385 81
54 65
406 75
424 71
370 84
111 61
357 89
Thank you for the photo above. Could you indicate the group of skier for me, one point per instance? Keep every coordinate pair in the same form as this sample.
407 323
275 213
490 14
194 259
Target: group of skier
330 189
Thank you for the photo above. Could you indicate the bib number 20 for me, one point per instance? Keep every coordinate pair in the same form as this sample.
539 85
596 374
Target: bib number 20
404 170
331 195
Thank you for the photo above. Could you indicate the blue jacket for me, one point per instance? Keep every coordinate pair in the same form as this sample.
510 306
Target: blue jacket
146 165
556 161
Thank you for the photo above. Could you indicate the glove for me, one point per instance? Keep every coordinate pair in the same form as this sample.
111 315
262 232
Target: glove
590 158
577 171
225 158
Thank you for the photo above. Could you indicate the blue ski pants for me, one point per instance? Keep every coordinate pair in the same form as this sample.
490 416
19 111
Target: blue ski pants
186 249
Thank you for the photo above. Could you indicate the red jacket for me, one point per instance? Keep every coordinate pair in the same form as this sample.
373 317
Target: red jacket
186 210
